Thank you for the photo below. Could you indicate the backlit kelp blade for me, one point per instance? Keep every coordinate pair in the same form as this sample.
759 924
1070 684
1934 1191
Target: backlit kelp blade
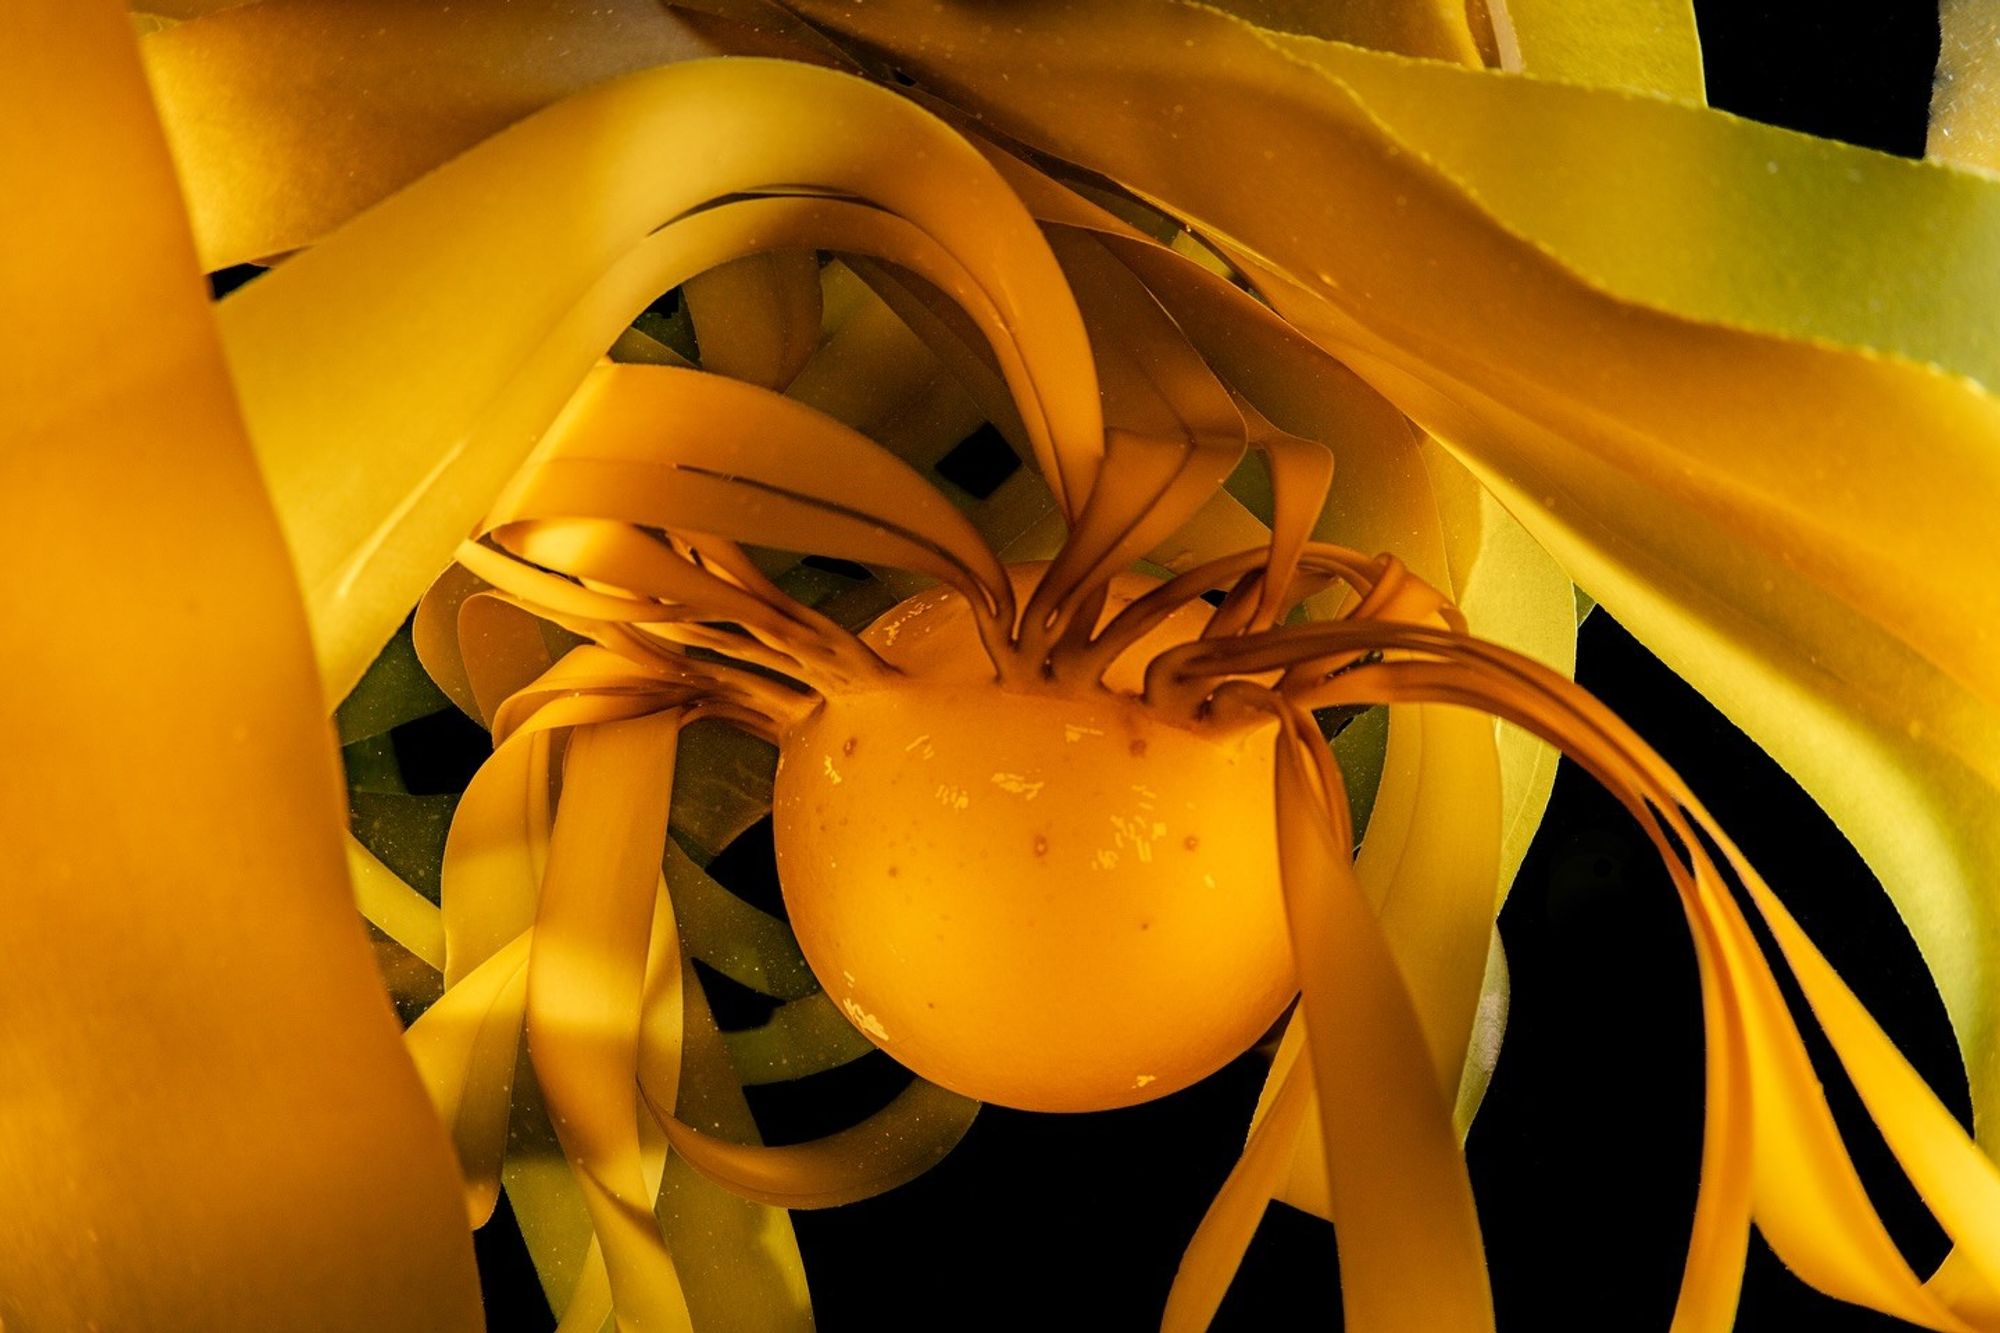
310 111
1644 45
1796 553
1965 103
210 1122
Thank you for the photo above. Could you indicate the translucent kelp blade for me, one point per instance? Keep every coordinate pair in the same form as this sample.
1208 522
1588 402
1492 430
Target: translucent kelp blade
806 1036
592 1022
1965 100
1947 1171
1511 592
162 1113
434 633
757 319
466 1047
1837 243
873 375
738 1258
495 854
744 943
1434 29
586 973
395 334
1845 624
1301 474
398 910
1436 896
897 1144
497 849
619 560
1717 1246
1410 1252
288 117
1150 488
1645 46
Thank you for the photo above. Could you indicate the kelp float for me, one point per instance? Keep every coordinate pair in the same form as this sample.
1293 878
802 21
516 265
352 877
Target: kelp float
1056 814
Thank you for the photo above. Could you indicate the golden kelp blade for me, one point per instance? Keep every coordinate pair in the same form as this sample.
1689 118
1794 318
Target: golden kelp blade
1644 45
1789 553
586 978
1771 1147
209 1121
1436 29
1410 1249
393 337
1665 204
1965 104
288 117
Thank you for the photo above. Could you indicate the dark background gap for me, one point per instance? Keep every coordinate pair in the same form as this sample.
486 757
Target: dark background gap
1585 1151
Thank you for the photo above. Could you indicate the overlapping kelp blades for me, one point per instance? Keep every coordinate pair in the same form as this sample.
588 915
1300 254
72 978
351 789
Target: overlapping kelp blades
1660 459
729 1256
1447 886
1420 504
467 1042
1802 1191
1483 897
1644 45
1812 1206
1377 1273
1377 369
571 505
387 334
1385 499
209 1121
281 143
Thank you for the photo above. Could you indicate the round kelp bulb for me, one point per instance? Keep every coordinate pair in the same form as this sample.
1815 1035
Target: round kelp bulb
1046 898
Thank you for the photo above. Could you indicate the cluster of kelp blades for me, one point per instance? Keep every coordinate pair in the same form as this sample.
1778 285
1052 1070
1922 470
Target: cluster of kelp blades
425 335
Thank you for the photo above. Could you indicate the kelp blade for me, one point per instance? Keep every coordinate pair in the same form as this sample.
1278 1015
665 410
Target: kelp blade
211 1123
